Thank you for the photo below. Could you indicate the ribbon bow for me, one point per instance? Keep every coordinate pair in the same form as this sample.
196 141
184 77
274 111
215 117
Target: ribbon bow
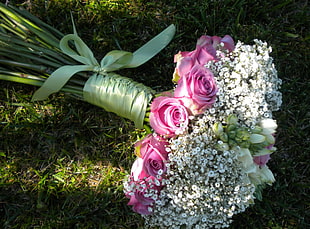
112 61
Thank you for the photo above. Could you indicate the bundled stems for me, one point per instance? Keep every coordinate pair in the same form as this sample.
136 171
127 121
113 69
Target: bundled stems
29 50
36 81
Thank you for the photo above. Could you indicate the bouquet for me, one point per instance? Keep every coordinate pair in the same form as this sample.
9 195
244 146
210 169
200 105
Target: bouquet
212 135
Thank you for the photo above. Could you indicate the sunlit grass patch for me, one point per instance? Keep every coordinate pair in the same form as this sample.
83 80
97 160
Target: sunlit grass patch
65 195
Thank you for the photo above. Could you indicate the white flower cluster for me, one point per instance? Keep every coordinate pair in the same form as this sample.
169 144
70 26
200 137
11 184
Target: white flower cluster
207 185
205 188
248 84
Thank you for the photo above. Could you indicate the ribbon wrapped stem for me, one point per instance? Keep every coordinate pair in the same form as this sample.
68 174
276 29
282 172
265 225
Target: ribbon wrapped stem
120 95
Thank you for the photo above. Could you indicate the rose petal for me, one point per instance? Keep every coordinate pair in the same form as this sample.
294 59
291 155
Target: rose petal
229 43
142 209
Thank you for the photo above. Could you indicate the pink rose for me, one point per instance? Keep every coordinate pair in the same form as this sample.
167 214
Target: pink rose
151 139
261 160
168 116
186 61
137 172
143 197
197 89
153 162
211 44
139 196
205 51
153 153
140 203
142 209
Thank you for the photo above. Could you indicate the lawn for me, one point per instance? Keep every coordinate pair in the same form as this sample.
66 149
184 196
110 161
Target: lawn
63 161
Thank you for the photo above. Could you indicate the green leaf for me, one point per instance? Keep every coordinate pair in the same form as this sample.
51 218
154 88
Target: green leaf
257 138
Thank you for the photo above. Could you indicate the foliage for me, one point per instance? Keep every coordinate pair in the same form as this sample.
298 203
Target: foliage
62 161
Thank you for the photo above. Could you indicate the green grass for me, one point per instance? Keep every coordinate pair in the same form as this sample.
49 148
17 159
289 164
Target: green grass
62 161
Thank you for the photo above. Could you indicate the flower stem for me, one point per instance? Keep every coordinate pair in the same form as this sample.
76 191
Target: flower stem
37 68
17 46
36 81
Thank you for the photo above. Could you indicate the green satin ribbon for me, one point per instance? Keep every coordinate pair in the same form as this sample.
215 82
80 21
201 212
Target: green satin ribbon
112 61
120 95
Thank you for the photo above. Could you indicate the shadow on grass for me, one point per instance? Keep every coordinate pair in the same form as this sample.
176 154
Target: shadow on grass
63 166
84 208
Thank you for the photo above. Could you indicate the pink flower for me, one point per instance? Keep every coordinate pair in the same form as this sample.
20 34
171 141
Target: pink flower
143 197
151 139
197 89
140 203
187 60
205 51
168 116
139 196
142 209
261 160
153 153
137 172
211 44
153 162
